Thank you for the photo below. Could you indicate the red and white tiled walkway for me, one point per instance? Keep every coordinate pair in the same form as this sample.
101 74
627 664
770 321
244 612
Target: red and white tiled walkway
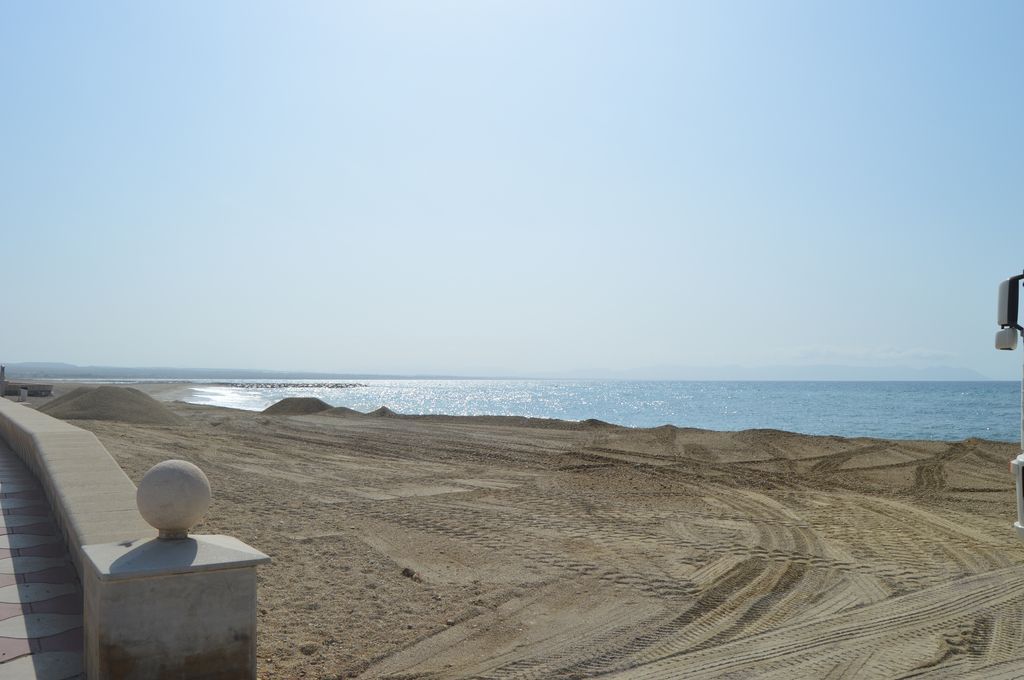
40 595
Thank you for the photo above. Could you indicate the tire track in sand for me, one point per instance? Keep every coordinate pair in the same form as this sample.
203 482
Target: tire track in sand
842 637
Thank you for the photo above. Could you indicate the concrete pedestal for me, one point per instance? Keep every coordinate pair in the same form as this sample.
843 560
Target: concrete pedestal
181 608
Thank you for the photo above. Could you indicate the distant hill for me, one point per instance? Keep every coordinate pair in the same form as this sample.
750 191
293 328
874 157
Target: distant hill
56 370
811 372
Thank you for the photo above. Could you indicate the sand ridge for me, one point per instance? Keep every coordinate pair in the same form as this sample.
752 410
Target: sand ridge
109 402
462 547
508 421
296 406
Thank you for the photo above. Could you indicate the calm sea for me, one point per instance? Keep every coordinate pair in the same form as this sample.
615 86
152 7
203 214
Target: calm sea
895 410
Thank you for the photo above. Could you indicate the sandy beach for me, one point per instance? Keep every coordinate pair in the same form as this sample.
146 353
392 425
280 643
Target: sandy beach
510 548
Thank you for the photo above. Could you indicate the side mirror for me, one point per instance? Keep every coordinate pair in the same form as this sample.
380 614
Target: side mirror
1009 295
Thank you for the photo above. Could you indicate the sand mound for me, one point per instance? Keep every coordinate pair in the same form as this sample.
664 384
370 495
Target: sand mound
64 398
505 421
343 411
296 406
123 404
382 412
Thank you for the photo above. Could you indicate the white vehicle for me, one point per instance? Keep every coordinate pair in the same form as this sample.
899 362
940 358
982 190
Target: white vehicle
1006 338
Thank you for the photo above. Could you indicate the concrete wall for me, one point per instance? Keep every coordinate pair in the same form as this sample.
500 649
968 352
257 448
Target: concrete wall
154 608
92 498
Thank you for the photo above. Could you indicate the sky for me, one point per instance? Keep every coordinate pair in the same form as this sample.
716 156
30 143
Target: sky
510 187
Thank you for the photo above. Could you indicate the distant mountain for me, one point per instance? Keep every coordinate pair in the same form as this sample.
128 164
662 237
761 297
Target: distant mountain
71 372
55 370
813 372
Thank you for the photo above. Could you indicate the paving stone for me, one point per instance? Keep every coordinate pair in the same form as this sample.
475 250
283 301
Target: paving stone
44 550
10 541
34 509
62 574
44 666
12 648
66 641
23 502
26 486
9 521
35 592
11 609
37 529
64 604
40 595
39 625
17 565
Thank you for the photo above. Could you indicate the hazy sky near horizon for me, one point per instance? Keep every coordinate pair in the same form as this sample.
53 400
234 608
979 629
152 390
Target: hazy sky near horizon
510 187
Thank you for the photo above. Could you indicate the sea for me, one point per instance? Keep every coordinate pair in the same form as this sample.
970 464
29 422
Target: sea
892 410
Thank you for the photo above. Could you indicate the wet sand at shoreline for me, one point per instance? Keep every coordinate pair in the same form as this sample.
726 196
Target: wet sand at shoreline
494 547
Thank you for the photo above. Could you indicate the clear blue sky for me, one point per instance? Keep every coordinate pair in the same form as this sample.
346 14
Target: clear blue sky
499 186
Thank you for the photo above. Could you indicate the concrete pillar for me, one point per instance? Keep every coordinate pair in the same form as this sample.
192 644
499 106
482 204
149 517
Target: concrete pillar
178 608
173 606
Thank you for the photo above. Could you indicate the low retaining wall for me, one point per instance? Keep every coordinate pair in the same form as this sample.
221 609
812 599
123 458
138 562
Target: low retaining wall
13 389
92 498
176 607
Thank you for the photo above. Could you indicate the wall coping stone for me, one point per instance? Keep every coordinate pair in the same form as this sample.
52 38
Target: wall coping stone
159 557
92 499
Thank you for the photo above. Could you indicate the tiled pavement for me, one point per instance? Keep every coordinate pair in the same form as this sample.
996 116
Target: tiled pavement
40 596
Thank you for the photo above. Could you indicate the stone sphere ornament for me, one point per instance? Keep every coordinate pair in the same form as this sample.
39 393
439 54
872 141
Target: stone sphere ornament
173 496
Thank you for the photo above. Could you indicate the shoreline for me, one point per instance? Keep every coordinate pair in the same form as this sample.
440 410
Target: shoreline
184 390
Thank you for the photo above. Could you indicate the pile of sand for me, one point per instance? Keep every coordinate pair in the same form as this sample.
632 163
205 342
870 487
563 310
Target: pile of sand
343 411
123 404
507 421
296 406
383 412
